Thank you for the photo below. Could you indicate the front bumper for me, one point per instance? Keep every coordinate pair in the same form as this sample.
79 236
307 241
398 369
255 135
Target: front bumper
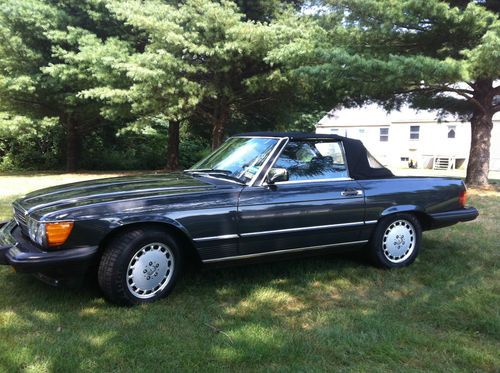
444 219
19 252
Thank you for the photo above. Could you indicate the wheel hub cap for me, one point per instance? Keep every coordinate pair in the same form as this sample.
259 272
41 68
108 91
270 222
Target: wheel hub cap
399 241
150 270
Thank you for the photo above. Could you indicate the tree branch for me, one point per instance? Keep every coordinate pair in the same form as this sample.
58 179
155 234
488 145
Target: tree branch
458 92
471 84
475 102
462 92
254 102
205 114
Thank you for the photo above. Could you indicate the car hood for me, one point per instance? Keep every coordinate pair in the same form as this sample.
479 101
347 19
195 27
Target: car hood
81 194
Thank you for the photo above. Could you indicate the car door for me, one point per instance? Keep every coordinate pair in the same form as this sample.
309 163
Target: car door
318 206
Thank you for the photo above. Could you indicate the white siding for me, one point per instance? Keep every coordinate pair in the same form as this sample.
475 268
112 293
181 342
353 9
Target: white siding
433 138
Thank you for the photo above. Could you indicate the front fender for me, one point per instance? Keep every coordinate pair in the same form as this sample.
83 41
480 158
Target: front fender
93 232
152 219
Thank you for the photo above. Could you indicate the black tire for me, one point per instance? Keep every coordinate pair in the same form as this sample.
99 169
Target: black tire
402 249
113 273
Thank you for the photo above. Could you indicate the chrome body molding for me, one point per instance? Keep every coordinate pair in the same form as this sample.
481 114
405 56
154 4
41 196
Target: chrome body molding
285 251
288 230
300 229
213 238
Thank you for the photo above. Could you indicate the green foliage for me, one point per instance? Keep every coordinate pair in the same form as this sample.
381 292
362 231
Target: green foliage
266 10
484 59
26 143
425 53
377 48
116 73
192 149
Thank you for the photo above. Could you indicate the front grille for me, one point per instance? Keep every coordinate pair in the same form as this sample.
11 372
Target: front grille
20 216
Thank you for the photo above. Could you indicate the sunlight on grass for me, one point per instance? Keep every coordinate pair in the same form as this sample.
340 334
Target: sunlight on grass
335 312
20 184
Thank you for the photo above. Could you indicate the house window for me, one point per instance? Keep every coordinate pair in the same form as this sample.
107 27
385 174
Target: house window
405 159
452 132
384 134
414 132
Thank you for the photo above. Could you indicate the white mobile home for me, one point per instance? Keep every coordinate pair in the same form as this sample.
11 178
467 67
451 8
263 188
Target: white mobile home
409 137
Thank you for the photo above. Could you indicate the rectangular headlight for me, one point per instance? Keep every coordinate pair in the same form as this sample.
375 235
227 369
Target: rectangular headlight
36 231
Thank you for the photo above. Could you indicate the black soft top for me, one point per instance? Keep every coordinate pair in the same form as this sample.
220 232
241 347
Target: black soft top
293 135
355 151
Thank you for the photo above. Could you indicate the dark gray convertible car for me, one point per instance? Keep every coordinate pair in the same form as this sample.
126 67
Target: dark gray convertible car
258 195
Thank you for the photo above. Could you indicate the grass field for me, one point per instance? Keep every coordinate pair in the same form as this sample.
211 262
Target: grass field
325 313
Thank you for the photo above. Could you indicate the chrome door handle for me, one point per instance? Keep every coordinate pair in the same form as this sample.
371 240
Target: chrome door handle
351 192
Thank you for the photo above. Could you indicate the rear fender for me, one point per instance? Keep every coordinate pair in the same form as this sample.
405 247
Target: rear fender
402 208
418 211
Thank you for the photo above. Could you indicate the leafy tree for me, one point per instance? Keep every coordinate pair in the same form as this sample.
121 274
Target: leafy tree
39 73
427 53
32 144
203 64
209 48
99 65
266 10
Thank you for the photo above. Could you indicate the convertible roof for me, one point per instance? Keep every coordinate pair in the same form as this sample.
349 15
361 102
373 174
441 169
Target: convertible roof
293 135
355 152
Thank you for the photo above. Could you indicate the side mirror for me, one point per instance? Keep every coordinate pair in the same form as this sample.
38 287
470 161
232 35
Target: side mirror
276 175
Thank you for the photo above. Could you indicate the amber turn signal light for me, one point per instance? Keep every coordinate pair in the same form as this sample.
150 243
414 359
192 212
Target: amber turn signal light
462 198
58 233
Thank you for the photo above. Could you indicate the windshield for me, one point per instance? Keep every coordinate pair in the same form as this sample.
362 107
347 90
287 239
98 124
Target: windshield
239 158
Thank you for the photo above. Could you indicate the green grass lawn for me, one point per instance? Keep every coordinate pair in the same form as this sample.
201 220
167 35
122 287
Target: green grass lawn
324 313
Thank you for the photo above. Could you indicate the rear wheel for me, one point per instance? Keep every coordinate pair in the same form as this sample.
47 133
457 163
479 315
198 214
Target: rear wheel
139 266
396 241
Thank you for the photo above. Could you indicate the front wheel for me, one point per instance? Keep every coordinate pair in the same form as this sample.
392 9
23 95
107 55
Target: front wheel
396 241
139 266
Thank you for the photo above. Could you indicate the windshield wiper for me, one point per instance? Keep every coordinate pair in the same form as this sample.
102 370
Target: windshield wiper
216 172
221 171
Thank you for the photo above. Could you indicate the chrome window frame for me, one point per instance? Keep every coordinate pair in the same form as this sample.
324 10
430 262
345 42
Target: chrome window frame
342 149
270 160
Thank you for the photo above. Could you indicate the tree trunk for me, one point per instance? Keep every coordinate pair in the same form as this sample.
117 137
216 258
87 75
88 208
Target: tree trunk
72 147
479 156
173 146
481 127
219 126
